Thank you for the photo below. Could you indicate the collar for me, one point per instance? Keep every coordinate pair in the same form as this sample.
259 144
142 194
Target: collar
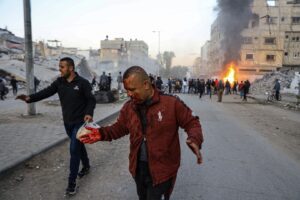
76 78
148 103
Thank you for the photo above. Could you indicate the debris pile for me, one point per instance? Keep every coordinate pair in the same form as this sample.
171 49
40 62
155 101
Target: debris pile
266 83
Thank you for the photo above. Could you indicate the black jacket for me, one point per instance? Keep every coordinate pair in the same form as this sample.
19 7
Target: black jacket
76 98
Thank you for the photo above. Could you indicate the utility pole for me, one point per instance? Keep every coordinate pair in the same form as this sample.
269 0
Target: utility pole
298 97
28 55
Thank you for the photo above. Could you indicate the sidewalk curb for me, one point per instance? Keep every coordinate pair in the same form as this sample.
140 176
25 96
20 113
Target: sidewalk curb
51 145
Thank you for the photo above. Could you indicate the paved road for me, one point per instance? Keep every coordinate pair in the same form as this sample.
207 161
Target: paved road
238 162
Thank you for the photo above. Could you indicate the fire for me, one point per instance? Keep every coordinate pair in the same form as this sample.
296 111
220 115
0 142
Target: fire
230 74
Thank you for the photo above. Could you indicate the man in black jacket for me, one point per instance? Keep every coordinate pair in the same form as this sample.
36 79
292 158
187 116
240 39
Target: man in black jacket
78 105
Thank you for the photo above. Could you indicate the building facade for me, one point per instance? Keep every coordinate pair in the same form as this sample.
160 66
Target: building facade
270 42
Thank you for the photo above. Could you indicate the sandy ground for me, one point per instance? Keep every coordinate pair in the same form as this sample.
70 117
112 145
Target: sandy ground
281 126
45 176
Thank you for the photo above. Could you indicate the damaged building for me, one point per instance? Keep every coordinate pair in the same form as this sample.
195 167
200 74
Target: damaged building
269 41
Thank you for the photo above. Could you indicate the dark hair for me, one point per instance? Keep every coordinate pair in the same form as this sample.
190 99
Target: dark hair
136 70
69 61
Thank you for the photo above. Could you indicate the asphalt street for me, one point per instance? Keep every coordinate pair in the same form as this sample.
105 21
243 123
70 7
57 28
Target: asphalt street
238 162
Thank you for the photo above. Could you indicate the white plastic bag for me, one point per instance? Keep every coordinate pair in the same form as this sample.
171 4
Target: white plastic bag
83 131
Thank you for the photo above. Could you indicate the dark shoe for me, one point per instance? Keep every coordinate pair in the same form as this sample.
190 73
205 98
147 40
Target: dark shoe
84 171
71 189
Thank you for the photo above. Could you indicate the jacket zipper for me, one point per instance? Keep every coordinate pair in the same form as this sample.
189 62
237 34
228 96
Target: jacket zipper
145 140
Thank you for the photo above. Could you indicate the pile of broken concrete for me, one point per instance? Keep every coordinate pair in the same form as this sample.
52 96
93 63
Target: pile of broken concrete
267 82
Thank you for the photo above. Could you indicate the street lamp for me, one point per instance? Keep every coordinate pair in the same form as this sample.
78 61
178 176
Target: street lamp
159 57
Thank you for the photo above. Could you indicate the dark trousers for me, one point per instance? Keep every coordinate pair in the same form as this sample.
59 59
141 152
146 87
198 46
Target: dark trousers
2 94
277 95
15 90
144 184
77 151
245 95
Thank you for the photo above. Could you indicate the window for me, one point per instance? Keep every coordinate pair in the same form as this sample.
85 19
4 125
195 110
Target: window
249 56
297 55
271 20
295 20
265 70
296 39
293 2
270 40
270 58
286 37
271 2
247 40
247 70
286 53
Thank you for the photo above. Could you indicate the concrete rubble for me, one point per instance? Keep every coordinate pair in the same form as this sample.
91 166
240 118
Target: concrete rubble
266 83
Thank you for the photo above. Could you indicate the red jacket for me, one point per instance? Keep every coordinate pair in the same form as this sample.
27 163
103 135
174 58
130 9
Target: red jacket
164 116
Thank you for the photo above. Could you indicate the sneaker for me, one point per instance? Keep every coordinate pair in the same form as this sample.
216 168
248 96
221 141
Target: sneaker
84 171
71 189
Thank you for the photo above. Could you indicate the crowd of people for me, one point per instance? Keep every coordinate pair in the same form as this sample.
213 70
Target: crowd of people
10 82
202 87
172 85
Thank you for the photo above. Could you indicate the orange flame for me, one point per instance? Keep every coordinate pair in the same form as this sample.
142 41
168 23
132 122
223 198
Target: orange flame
230 74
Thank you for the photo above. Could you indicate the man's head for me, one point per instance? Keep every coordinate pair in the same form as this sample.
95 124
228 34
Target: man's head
66 67
137 84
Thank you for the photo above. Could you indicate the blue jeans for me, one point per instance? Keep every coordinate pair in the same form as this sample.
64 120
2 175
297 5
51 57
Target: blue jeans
77 151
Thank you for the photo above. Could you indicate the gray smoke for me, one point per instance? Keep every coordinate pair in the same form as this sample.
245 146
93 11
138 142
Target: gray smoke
150 65
234 16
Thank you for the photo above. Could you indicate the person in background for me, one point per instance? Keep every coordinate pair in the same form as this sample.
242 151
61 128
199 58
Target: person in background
277 89
109 82
241 89
220 90
227 88
14 85
246 89
158 83
170 85
94 82
2 89
119 81
234 87
36 84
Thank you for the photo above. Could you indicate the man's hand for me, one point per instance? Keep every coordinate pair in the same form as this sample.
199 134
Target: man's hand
88 118
195 150
23 97
93 136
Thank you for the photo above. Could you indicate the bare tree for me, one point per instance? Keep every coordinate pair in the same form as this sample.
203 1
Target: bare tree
179 71
167 60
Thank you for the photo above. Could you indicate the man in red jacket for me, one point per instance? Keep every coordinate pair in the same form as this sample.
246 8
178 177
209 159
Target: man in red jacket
152 119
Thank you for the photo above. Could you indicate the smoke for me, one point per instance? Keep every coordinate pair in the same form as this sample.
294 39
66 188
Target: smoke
234 16
95 64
